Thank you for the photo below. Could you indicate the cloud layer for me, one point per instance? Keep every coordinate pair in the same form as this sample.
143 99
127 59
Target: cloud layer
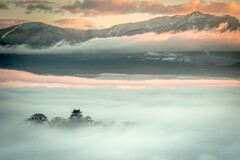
37 5
3 5
193 40
174 123
94 8
14 78
114 7
214 7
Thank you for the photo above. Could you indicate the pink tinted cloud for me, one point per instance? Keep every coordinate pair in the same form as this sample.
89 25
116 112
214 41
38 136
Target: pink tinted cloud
15 78
94 8
10 22
116 7
215 7
75 23
211 40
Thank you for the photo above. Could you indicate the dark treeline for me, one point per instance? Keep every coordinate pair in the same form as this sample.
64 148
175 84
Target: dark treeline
76 119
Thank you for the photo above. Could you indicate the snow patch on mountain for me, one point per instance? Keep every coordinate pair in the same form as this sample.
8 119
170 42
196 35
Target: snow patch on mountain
12 30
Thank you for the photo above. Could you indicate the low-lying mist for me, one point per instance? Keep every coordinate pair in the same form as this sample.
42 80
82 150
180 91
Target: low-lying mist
193 40
172 123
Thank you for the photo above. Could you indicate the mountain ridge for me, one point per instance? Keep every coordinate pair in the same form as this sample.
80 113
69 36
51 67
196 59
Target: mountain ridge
38 34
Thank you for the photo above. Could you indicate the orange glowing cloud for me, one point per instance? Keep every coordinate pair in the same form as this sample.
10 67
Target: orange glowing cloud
10 22
14 78
215 7
211 40
94 8
115 7
75 23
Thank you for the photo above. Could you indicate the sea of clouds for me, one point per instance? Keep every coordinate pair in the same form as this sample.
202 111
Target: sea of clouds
186 123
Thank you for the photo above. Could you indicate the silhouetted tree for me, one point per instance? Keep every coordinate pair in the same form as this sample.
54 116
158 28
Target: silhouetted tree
58 121
38 118
88 120
76 119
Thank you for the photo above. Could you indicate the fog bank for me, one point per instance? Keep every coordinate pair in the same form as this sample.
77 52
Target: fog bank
15 78
173 123
193 40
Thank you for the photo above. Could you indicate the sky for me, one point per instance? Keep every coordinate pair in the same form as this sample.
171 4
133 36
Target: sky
88 14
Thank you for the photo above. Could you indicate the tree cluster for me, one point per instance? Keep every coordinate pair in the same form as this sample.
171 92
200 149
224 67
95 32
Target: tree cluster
75 119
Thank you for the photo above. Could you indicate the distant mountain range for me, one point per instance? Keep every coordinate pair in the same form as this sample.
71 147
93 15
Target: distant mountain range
37 34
